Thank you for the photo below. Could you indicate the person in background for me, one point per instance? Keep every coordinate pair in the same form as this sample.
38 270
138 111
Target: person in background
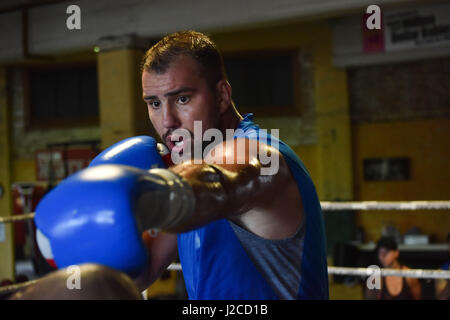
442 286
393 287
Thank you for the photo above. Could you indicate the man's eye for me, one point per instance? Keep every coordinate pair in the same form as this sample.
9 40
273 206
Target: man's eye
155 104
183 99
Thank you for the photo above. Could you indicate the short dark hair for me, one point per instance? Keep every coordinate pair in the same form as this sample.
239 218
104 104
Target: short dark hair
387 242
191 43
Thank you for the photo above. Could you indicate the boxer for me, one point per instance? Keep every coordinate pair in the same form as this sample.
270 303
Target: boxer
239 234
392 287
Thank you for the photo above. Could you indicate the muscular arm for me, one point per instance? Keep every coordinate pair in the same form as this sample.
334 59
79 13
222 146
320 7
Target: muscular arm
232 183
228 184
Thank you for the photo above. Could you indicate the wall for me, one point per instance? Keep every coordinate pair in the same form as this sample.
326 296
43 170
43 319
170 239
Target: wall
403 110
322 129
17 150
26 142
319 133
400 91
426 143
6 243
48 33
348 48
299 131
123 113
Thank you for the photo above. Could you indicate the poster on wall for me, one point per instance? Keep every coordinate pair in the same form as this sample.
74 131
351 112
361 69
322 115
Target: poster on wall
57 164
416 28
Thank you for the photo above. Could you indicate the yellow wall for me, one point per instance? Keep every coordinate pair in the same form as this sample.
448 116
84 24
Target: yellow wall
308 155
6 246
123 113
24 170
426 143
329 161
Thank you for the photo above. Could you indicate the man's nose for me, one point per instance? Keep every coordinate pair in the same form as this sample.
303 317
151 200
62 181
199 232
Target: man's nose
170 117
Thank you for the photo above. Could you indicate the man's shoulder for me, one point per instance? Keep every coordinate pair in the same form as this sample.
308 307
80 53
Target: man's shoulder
251 130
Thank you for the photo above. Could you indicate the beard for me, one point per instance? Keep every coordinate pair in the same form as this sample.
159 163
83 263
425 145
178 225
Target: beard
194 151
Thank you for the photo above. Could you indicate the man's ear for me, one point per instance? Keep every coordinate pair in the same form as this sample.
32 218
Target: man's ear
223 94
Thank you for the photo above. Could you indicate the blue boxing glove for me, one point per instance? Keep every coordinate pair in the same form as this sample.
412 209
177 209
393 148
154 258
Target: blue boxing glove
141 152
98 215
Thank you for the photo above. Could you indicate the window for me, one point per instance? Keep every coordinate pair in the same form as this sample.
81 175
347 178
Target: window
386 169
61 96
264 83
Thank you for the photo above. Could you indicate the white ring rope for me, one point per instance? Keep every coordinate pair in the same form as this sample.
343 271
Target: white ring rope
17 218
328 206
385 205
364 272
409 273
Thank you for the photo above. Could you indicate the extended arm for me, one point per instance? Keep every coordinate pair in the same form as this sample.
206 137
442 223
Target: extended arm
229 182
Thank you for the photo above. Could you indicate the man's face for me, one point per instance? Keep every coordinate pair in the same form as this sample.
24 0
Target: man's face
177 98
387 257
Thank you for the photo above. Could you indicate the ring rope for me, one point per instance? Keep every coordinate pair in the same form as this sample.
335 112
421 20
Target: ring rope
385 205
326 205
17 218
409 273
329 206
365 272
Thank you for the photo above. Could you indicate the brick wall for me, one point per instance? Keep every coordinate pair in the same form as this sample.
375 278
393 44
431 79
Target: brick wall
400 91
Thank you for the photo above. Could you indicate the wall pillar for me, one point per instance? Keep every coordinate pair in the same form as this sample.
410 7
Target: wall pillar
123 113
6 232
334 150
333 129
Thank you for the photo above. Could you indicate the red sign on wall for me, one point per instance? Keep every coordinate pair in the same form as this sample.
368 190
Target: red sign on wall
58 163
373 40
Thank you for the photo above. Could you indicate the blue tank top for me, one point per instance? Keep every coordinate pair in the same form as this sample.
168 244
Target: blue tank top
216 266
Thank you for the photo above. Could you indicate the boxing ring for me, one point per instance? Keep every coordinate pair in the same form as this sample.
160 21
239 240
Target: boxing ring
332 270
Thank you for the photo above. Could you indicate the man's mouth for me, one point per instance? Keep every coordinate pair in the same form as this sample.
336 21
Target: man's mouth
178 147
175 144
